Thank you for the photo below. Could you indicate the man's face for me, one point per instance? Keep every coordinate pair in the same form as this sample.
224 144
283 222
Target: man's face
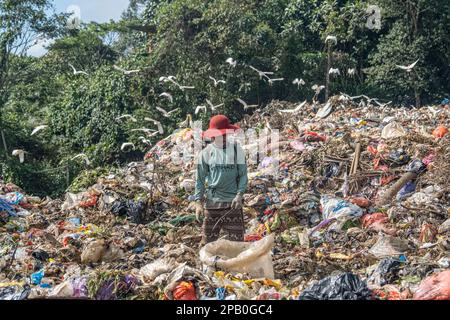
220 140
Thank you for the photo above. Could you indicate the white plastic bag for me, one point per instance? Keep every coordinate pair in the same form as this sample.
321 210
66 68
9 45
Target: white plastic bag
253 258
341 210
151 271
393 130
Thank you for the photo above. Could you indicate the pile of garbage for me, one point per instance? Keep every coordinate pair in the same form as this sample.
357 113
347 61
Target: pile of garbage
354 204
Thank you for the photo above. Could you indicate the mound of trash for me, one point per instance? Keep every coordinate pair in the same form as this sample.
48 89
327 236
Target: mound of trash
353 194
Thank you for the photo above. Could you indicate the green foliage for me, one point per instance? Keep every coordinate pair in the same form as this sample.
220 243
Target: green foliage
87 178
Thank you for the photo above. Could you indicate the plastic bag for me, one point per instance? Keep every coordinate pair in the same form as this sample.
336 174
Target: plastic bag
152 270
36 278
386 272
136 210
377 221
252 258
406 191
435 287
14 292
335 208
440 132
393 130
98 251
72 288
325 111
185 290
387 245
182 273
445 226
346 286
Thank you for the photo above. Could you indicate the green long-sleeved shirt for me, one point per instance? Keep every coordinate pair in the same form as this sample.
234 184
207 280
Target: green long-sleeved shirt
219 176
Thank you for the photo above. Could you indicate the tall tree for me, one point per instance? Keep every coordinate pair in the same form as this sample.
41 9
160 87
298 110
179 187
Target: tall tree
22 24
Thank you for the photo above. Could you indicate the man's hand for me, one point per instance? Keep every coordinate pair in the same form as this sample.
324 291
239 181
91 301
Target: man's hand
237 202
199 211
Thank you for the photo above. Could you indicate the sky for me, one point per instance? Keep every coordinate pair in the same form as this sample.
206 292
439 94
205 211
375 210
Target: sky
90 10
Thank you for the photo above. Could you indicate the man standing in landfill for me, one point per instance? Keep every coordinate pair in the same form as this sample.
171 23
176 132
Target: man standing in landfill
221 182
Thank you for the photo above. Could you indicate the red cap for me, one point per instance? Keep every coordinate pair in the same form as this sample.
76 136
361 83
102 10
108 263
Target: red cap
219 126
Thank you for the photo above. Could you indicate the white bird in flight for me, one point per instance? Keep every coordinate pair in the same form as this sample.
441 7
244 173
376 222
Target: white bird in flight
334 71
126 145
331 38
157 123
351 71
149 132
212 106
186 123
297 109
317 88
165 113
232 62
245 105
145 141
76 72
217 82
126 72
408 68
298 82
83 156
19 153
246 86
262 74
167 79
127 116
271 81
167 96
38 128
199 108
172 79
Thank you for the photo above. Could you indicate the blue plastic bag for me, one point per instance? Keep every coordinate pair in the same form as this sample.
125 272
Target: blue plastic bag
406 191
36 278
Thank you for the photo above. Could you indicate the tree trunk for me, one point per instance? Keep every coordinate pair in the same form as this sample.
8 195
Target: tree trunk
2 133
327 77
417 96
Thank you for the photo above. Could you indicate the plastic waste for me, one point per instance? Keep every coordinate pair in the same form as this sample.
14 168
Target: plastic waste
325 111
36 278
399 157
181 273
152 270
14 291
393 130
40 255
252 258
407 190
386 272
434 287
346 286
184 291
297 145
99 250
440 132
338 209
416 166
134 209
387 245
444 227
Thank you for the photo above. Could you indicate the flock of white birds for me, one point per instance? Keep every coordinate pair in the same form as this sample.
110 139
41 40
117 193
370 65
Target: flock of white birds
263 75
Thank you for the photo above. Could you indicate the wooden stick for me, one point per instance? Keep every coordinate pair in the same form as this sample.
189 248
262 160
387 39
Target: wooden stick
387 197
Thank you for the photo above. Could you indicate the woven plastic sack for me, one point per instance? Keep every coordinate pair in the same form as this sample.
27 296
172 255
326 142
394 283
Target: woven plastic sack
253 258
